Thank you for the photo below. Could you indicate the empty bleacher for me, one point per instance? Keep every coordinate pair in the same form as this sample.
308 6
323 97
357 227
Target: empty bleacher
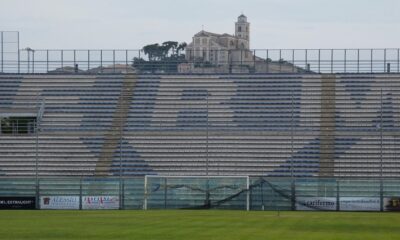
269 125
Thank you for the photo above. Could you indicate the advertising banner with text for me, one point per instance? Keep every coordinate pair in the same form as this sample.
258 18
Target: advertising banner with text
360 204
316 203
59 202
100 202
17 202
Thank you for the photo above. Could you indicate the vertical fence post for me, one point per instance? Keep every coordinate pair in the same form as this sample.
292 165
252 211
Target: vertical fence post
358 60
120 193
381 153
293 194
319 60
37 160
114 61
165 193
293 68
76 68
291 136
2 52
267 61
140 61
88 59
337 194
254 59
120 148
62 60
126 61
19 65
47 61
80 193
33 61
384 60
123 194
293 189
331 60
101 60
345 60
241 58
207 132
398 60
37 194
145 193
306 59
248 194
262 194
372 60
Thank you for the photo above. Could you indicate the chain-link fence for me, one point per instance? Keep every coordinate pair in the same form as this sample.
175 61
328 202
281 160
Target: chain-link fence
213 192
261 61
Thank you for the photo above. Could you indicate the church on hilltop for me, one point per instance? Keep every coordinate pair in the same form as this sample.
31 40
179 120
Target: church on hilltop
225 53
220 50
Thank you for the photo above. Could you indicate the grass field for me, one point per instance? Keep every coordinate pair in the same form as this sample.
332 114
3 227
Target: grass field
192 225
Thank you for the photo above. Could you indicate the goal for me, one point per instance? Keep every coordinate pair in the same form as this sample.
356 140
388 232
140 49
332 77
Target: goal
196 192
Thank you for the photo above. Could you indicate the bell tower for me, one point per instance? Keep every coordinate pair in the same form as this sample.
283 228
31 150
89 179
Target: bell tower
242 28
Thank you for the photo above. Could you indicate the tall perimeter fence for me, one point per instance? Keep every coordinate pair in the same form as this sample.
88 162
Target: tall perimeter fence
205 192
98 61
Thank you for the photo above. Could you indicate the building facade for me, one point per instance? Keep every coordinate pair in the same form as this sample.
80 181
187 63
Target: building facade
219 50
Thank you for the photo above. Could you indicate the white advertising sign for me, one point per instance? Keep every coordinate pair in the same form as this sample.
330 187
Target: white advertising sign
59 202
316 203
360 204
100 202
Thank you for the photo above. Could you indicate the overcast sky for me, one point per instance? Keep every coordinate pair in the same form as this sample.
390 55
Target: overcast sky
131 24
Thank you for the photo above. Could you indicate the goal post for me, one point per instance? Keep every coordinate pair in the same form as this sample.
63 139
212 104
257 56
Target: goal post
196 192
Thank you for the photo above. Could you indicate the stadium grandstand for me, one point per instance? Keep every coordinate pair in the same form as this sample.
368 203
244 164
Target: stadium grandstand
297 129
304 125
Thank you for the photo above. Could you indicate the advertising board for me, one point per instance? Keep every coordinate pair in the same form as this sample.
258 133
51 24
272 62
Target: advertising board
316 203
17 202
360 204
59 202
100 202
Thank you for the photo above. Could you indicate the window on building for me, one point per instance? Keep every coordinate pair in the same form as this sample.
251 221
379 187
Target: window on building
17 125
204 40
239 28
197 52
204 54
197 40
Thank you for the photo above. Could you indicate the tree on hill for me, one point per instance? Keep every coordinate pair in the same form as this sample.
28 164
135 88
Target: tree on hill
165 57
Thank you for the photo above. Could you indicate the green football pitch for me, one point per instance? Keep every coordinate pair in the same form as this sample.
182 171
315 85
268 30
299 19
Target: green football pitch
201 224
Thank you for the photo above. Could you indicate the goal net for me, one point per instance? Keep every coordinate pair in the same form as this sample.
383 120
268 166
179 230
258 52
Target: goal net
196 192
